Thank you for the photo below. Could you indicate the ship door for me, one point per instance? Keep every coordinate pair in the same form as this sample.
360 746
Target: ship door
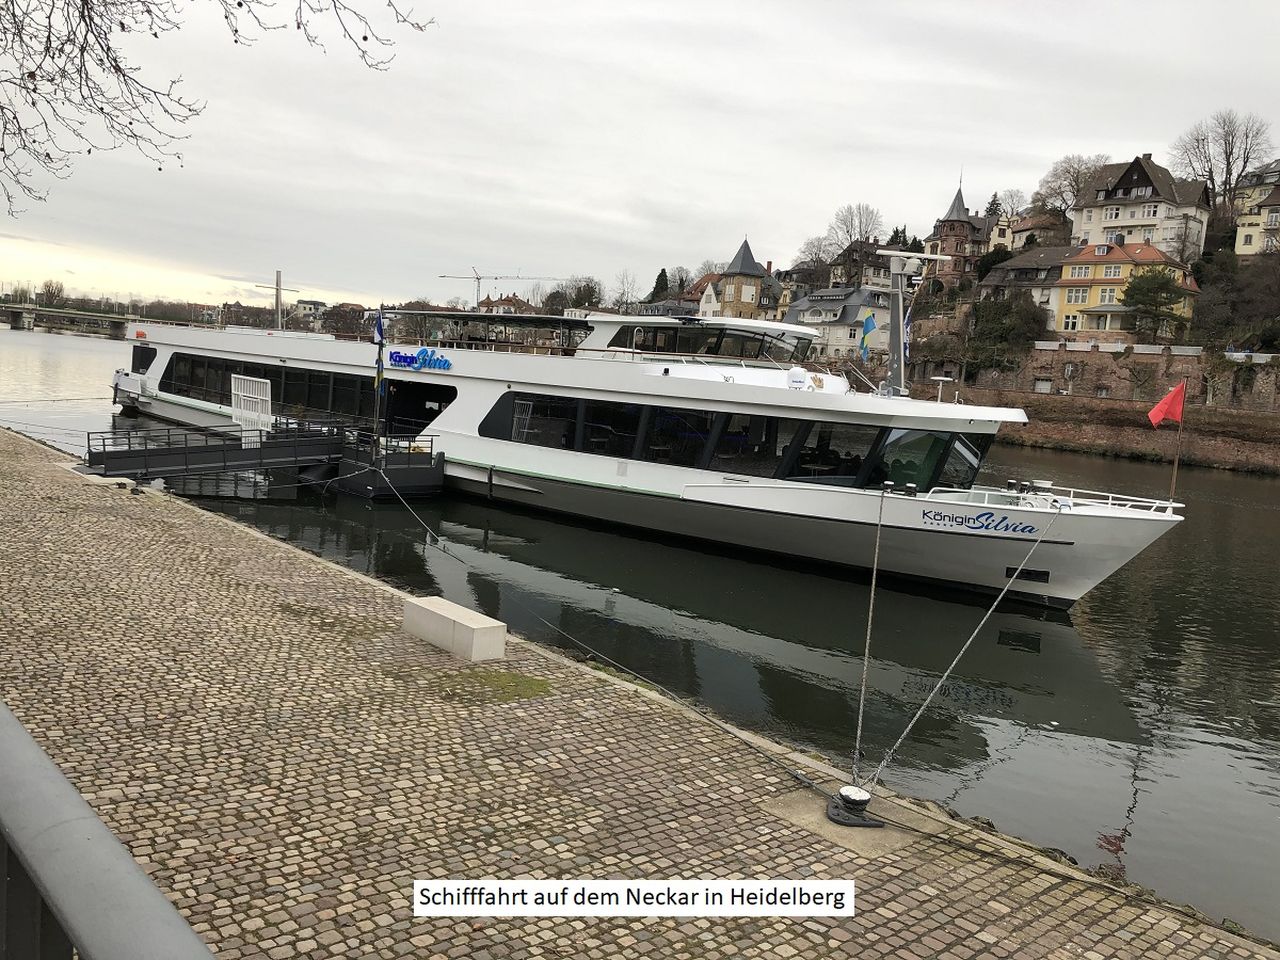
413 405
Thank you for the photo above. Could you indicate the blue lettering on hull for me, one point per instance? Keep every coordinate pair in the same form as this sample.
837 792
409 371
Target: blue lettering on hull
424 359
985 522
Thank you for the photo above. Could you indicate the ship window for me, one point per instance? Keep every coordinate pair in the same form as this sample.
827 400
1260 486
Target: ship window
677 436
318 389
143 356
696 340
545 421
908 456
734 344
294 392
611 428
834 453
753 445
346 395
962 463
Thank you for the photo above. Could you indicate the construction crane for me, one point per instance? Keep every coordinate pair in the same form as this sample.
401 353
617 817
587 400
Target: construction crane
478 276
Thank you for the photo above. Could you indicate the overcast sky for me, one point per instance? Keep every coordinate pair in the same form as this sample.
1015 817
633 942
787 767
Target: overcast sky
557 138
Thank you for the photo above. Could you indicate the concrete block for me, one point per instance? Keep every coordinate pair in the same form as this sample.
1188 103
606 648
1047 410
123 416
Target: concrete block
464 633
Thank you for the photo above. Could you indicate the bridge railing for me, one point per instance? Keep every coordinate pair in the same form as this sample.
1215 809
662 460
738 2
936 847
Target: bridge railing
68 887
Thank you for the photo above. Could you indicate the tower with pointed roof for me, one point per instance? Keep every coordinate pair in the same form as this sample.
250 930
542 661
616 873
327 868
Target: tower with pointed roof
746 288
963 236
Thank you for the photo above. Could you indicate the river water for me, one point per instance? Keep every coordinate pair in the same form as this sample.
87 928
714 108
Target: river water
1141 731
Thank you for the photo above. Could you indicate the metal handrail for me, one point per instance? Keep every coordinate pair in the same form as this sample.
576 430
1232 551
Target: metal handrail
66 882
1043 497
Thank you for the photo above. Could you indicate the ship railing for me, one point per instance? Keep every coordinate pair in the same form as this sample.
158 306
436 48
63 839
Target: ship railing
1050 496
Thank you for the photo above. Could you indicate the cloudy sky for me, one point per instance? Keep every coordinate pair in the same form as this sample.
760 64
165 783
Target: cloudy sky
557 138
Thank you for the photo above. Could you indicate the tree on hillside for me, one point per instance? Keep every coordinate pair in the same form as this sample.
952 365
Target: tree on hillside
660 287
67 86
52 293
555 303
989 259
915 245
679 280
1011 201
817 249
994 209
1221 150
1239 303
625 291
582 292
854 223
1067 178
709 266
898 237
1004 332
346 320
1152 295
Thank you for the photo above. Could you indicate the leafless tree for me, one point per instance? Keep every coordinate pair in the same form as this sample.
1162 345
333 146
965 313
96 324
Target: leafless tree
20 294
1011 201
854 222
710 266
52 292
679 279
67 88
1221 150
625 291
1066 180
818 249
535 294
460 303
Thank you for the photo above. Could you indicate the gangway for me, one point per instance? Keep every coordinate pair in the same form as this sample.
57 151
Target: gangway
324 453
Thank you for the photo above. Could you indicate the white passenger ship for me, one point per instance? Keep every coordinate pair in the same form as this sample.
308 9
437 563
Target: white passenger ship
703 428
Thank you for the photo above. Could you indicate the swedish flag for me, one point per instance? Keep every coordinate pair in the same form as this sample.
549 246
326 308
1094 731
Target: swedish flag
868 328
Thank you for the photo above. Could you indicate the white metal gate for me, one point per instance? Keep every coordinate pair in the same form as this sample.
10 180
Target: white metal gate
251 407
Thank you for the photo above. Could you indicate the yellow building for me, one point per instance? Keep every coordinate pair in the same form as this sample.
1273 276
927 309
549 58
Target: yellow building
1086 301
1258 227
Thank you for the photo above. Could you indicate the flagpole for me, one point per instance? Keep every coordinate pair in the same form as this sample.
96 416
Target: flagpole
1177 452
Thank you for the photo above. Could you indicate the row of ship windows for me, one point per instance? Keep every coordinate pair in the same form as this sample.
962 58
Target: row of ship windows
843 454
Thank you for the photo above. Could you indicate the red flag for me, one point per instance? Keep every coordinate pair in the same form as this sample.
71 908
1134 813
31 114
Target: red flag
1170 408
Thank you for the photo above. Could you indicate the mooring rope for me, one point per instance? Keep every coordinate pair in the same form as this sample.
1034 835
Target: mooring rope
875 777
866 649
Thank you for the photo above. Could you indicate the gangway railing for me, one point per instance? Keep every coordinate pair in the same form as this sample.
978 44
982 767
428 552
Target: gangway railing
68 887
175 452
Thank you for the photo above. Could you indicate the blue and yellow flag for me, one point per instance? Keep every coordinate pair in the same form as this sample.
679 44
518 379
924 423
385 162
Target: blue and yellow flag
868 328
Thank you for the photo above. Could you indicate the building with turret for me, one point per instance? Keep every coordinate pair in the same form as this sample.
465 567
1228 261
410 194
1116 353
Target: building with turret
964 237
747 289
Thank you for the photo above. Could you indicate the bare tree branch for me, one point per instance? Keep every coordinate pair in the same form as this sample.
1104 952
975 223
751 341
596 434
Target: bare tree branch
1221 150
854 223
67 89
1067 178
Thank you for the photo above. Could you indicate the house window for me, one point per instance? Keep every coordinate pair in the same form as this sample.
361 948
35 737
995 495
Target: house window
1273 218
728 291
1071 321
1077 272
748 292
1002 232
1043 385
1107 295
1100 250
1088 215
853 333
1248 240
1084 239
1111 270
1149 234
1103 392
1269 245
1110 213
933 248
1150 211
1077 294
1102 195
1169 233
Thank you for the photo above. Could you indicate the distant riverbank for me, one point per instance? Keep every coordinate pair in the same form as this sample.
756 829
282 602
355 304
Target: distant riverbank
1220 437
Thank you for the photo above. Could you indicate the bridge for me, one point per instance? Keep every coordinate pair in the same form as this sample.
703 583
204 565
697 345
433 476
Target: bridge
26 316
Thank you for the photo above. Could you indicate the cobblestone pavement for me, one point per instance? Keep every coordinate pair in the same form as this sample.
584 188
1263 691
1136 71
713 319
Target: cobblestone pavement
284 763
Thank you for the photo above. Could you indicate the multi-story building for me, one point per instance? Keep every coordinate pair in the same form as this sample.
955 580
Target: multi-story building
1141 202
1258 228
511 304
1040 229
963 237
837 315
1257 184
1086 302
745 289
1034 270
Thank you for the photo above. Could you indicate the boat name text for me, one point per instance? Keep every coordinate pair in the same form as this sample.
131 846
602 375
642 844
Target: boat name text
985 521
424 359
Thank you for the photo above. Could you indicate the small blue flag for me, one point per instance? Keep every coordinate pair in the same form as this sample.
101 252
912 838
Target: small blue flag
868 328
377 328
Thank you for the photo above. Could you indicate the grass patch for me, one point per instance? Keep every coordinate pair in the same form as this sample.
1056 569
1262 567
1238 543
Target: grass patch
486 686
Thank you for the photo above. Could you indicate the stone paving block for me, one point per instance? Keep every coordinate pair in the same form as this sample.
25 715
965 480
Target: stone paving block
466 634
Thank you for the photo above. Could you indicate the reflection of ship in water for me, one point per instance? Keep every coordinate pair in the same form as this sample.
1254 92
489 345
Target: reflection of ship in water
768 647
